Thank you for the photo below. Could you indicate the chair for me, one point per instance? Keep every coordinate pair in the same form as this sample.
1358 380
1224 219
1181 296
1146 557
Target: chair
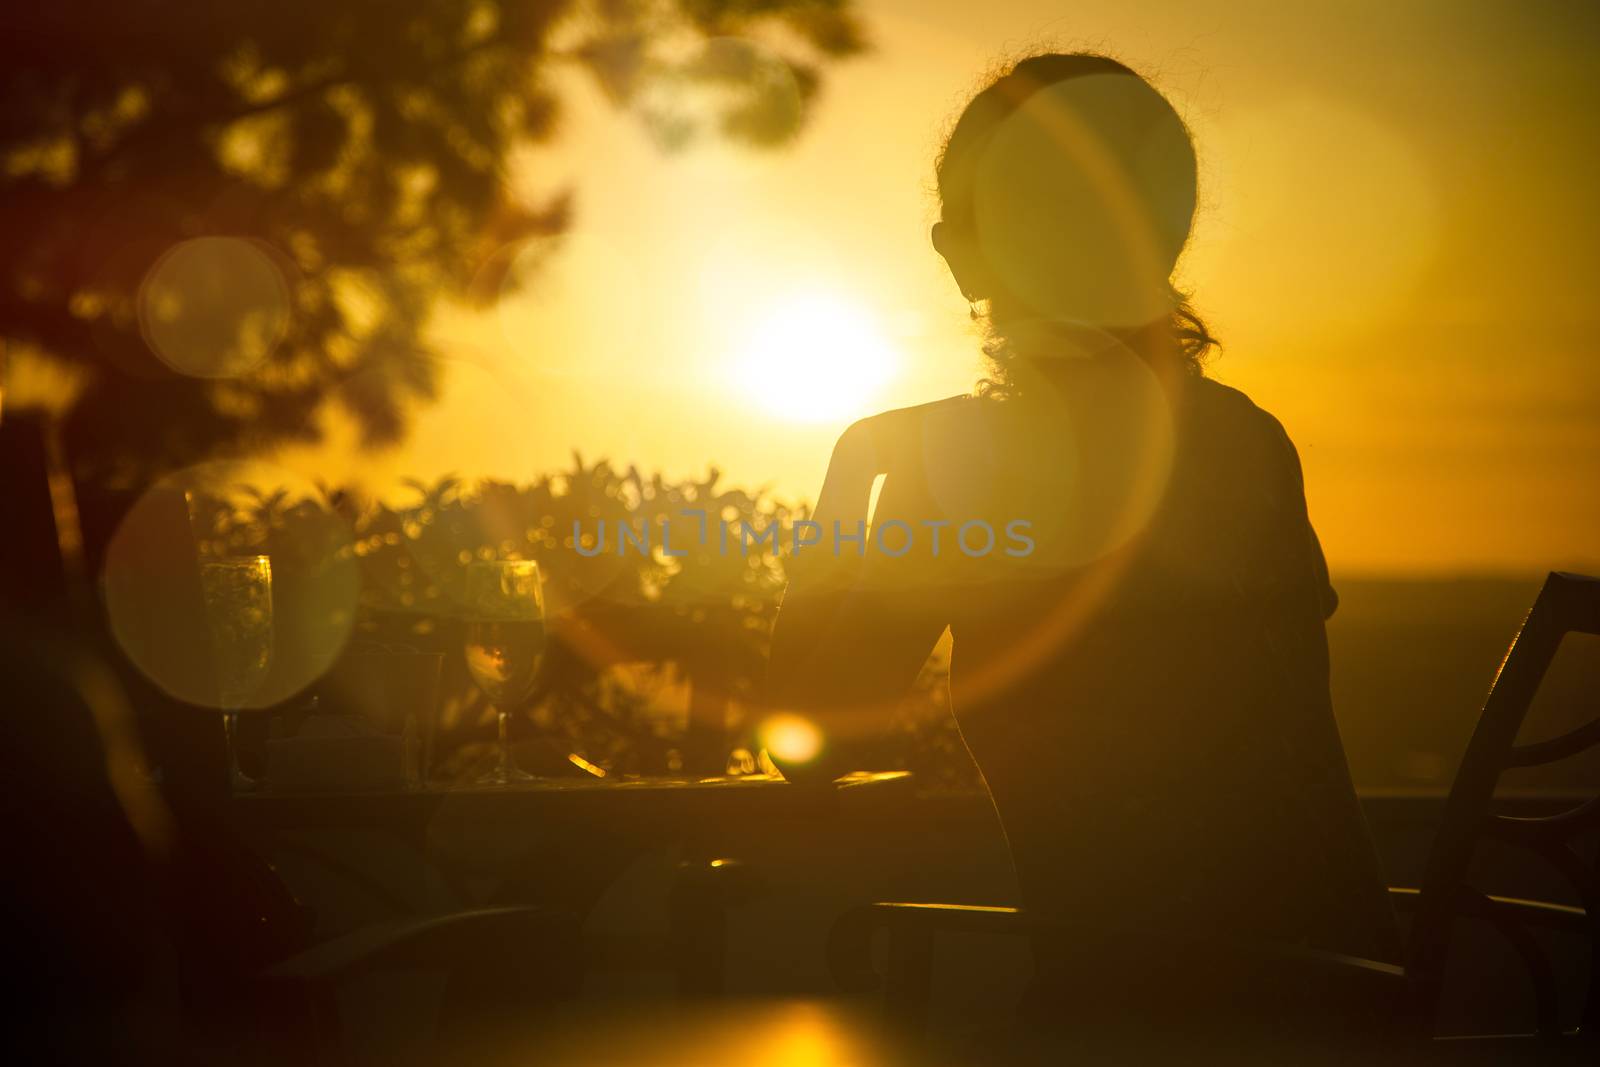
108 867
499 963
1567 603
114 890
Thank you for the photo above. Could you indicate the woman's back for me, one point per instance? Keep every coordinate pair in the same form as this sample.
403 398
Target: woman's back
1147 700
1154 724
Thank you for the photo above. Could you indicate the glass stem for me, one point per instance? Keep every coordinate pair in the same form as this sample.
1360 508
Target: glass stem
505 744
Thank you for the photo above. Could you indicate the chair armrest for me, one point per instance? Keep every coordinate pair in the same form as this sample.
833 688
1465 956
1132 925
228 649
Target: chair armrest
912 928
1356 970
1533 912
1512 917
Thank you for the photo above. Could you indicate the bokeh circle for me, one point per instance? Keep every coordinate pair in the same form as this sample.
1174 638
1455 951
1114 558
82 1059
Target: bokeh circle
214 307
157 604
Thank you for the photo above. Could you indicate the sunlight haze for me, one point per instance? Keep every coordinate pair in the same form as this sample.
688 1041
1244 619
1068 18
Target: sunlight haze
1395 246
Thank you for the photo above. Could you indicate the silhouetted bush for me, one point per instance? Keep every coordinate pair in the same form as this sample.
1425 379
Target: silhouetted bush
630 630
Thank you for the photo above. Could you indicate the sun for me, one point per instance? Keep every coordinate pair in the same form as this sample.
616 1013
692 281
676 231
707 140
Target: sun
814 357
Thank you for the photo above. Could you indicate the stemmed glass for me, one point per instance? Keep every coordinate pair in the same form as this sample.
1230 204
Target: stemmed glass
505 642
238 597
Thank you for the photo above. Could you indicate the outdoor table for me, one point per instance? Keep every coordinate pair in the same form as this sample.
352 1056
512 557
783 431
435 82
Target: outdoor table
663 803
559 844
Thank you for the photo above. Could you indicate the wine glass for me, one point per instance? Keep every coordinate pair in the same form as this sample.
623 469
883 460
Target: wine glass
504 644
238 597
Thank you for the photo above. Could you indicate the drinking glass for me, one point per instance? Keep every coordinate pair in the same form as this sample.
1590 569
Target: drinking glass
505 641
238 597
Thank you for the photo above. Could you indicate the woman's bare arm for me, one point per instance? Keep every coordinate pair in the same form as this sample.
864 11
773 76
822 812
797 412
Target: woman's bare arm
848 644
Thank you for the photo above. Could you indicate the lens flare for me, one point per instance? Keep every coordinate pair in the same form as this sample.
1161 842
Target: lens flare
1068 225
214 307
791 738
166 573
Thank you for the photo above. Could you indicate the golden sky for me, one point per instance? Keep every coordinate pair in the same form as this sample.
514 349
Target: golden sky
1396 245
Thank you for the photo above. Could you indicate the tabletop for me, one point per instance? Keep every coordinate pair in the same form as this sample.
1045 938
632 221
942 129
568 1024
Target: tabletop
647 799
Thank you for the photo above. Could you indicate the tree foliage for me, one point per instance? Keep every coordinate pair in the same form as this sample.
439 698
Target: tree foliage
360 147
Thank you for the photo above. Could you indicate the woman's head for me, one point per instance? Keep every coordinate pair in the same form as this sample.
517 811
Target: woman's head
1067 189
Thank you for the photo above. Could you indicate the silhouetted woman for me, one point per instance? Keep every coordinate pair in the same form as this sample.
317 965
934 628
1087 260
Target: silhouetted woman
1120 550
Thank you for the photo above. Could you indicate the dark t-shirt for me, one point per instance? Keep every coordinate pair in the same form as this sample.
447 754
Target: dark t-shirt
1145 690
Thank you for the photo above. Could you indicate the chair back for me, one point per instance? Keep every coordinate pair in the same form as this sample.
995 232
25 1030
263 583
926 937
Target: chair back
1568 603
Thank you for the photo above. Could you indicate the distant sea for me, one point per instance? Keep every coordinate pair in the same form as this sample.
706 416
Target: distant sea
1412 662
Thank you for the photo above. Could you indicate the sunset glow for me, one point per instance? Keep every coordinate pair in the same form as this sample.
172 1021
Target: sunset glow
814 358
1400 294
816 533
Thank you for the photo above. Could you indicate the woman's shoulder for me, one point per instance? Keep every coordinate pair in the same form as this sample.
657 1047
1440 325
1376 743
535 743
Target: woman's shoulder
951 408
1226 419
886 432
1210 398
